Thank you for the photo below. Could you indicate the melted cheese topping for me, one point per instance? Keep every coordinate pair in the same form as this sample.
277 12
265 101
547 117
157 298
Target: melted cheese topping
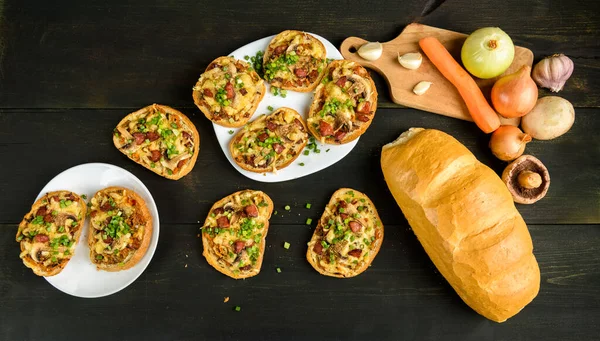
229 89
237 229
294 59
343 101
348 235
48 237
118 227
162 142
270 142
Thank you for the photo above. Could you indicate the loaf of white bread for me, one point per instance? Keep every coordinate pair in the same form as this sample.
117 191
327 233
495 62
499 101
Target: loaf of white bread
465 218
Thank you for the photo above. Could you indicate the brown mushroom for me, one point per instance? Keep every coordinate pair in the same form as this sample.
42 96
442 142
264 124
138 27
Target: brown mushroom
527 179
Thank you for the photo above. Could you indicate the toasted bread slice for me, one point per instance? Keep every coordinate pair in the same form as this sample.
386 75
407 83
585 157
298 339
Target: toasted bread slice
348 235
120 229
295 61
50 231
344 104
234 233
270 142
159 138
228 92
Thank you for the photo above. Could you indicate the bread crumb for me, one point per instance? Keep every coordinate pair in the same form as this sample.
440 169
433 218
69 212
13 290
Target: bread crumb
198 235
185 266
186 256
226 299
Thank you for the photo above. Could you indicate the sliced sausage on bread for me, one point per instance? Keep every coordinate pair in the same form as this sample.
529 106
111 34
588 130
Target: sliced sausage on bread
294 60
228 92
348 235
120 229
344 104
159 138
50 231
270 142
234 233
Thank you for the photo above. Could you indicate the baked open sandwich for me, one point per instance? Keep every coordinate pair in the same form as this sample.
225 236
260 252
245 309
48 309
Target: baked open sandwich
295 61
159 138
228 92
344 103
270 142
233 234
348 235
120 229
50 231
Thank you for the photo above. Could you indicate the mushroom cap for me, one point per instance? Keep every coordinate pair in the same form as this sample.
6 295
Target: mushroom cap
520 194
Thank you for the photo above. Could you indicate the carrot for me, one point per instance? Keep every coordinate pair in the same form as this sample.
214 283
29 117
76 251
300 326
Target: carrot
482 113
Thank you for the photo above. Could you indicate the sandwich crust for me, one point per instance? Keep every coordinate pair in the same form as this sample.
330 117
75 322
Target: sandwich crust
120 229
294 60
344 104
348 235
234 233
270 142
228 92
159 138
49 233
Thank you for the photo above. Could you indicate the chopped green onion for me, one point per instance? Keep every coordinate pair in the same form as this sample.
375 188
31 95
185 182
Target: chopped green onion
278 270
270 108
287 207
230 132
286 245
99 257
275 213
246 57
327 151
301 164
308 221
308 205
84 196
306 152
237 308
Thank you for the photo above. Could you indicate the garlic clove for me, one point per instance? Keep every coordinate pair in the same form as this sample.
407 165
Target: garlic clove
421 88
411 60
553 72
371 51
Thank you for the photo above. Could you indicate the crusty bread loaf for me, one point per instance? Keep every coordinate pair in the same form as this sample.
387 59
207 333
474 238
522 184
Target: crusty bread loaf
465 218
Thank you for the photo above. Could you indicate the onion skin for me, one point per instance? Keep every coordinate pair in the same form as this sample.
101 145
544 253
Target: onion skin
515 95
508 142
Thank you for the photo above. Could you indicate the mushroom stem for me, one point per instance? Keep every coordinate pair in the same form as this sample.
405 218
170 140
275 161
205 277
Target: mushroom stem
528 179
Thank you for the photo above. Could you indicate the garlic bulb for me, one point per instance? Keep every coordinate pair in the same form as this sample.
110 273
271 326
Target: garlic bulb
371 51
552 72
421 88
411 61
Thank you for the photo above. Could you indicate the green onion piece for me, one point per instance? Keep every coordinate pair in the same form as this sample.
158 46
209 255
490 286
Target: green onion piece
237 308
327 151
270 108
246 57
84 196
286 245
230 132
308 205
278 270
306 152
301 164
308 221
287 207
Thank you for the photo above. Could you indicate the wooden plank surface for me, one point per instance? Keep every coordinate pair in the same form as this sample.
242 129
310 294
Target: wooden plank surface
70 70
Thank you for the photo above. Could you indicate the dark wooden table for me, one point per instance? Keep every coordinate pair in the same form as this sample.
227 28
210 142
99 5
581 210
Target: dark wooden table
70 70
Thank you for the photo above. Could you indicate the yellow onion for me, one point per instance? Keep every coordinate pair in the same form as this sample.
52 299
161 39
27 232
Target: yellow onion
508 142
515 95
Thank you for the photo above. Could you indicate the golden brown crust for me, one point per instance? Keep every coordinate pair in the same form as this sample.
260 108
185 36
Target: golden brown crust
207 240
118 141
40 269
198 95
359 121
465 218
286 38
343 265
260 121
141 208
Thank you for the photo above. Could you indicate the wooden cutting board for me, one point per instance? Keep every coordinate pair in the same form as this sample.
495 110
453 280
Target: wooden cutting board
442 98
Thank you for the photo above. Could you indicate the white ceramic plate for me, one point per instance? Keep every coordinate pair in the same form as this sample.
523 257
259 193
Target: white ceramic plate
80 277
300 101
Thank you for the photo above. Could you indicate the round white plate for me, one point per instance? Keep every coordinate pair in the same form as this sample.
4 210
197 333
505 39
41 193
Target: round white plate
300 101
80 277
